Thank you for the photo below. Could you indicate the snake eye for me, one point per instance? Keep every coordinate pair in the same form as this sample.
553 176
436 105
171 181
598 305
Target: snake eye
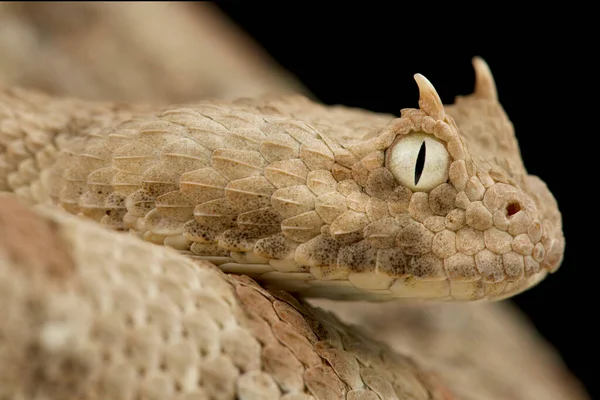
418 161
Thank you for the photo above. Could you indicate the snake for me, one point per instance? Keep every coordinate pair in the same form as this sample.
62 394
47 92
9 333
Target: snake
177 212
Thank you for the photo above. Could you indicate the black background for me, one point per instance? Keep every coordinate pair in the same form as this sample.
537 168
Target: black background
365 55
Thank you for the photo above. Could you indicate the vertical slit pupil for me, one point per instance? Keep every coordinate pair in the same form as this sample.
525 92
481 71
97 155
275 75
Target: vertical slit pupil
420 163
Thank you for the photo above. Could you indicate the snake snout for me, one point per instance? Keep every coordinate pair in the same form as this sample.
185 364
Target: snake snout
526 218
545 228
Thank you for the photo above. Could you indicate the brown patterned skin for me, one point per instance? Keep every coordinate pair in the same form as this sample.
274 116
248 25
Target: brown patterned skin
302 196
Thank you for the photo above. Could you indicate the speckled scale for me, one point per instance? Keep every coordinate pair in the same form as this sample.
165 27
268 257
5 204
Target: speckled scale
380 183
358 201
99 185
340 172
302 227
120 136
294 128
210 138
74 185
285 173
360 174
135 157
382 233
249 193
399 200
293 200
276 247
349 223
374 160
196 232
100 180
244 139
321 182
358 257
93 155
279 147
183 155
175 205
156 134
237 164
139 202
162 225
316 155
427 267
126 183
159 180
330 205
241 238
203 184
193 120
217 211
320 251
415 239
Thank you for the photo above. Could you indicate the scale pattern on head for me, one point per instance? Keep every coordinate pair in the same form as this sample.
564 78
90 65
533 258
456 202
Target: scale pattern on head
328 201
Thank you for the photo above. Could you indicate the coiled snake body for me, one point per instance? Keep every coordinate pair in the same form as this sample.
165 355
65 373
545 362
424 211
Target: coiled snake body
323 201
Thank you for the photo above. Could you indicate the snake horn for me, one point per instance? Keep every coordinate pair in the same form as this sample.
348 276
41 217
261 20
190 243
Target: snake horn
429 100
485 87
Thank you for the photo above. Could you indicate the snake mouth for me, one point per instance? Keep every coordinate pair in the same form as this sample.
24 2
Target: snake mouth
330 268
434 258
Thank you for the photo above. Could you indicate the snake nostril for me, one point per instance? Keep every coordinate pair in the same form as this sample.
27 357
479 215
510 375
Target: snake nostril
512 208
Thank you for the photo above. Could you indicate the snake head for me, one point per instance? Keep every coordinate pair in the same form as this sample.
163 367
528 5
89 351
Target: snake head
439 205
328 201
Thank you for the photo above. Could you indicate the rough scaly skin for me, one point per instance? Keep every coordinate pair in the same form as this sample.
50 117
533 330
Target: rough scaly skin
299 195
80 322
64 311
